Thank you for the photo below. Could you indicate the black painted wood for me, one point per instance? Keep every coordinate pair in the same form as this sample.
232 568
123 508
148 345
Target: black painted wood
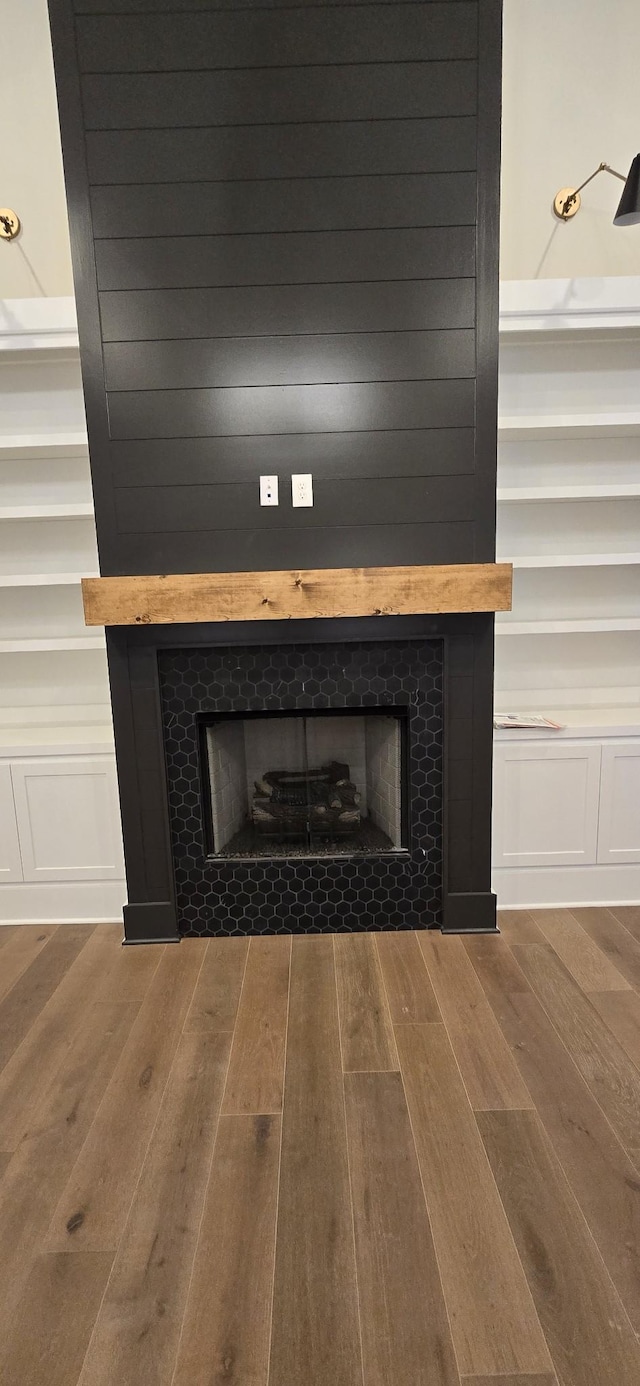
159 509
332 148
323 257
262 96
262 205
296 546
274 310
272 38
333 358
358 456
158 6
291 409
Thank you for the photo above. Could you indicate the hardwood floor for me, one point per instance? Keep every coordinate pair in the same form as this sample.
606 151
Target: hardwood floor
368 1160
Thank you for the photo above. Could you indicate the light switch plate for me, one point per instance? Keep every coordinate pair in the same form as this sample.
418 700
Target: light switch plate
269 490
301 489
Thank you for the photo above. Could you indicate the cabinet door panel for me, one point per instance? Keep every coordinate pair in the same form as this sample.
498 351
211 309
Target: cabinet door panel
546 804
619 828
68 819
10 862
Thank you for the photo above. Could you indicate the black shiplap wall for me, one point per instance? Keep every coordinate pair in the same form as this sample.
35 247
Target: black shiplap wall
277 214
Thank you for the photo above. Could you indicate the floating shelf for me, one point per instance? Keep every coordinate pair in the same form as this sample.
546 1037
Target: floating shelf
574 560
80 511
532 426
43 579
34 445
606 624
520 494
64 642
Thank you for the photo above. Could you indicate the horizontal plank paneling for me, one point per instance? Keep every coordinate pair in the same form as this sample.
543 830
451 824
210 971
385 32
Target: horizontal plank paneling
367 33
342 456
321 257
338 358
238 550
179 597
271 204
291 409
158 6
287 151
280 308
375 91
162 508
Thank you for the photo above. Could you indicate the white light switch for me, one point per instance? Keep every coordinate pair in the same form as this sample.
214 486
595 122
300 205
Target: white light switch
268 490
302 489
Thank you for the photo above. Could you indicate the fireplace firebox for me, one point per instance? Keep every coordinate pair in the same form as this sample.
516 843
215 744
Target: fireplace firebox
306 783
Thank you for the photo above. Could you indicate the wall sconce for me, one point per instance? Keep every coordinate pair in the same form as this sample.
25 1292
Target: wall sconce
9 224
567 201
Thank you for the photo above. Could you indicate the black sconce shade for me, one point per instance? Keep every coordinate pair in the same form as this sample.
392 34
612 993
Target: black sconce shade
628 213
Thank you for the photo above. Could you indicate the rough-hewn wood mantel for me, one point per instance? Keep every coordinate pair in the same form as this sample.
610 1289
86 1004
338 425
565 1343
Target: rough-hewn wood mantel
181 598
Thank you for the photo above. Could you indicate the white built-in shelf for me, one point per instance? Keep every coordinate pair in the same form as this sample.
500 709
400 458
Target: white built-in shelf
43 579
42 445
597 722
38 325
588 625
519 494
574 560
68 511
620 424
552 307
61 642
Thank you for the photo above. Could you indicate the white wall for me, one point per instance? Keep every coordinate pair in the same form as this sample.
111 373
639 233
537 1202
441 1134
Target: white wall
31 180
571 99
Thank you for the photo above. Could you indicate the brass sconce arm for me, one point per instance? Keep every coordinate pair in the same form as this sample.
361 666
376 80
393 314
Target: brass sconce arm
567 201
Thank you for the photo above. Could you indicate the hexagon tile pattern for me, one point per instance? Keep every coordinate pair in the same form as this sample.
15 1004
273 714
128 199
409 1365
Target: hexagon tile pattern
314 894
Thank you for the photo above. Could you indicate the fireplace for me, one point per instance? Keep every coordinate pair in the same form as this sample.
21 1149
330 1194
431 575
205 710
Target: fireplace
306 783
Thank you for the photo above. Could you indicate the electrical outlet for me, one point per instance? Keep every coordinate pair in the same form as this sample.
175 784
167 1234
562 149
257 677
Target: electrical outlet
269 490
302 489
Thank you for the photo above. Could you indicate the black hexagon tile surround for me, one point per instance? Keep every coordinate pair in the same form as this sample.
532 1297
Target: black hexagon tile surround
305 894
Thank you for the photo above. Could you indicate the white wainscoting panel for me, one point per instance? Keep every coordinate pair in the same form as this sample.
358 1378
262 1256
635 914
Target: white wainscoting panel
10 859
619 830
546 804
67 812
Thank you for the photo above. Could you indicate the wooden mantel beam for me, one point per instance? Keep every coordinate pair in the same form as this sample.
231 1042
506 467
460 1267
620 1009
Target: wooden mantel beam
183 598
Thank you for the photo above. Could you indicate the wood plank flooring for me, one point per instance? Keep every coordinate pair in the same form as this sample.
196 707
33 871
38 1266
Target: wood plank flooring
390 1160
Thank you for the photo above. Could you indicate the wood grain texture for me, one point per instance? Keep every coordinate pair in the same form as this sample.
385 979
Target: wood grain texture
490 1074
405 1330
40 1167
519 926
94 1205
366 1031
30 993
193 597
629 916
601 1175
614 941
493 1321
315 1261
547 1379
584 959
585 1325
621 1012
49 1346
226 1335
217 993
409 991
28 1075
256 1066
605 1067
19 948
138 1326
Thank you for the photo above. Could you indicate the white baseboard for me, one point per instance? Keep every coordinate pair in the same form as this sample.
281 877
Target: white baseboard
546 887
62 902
